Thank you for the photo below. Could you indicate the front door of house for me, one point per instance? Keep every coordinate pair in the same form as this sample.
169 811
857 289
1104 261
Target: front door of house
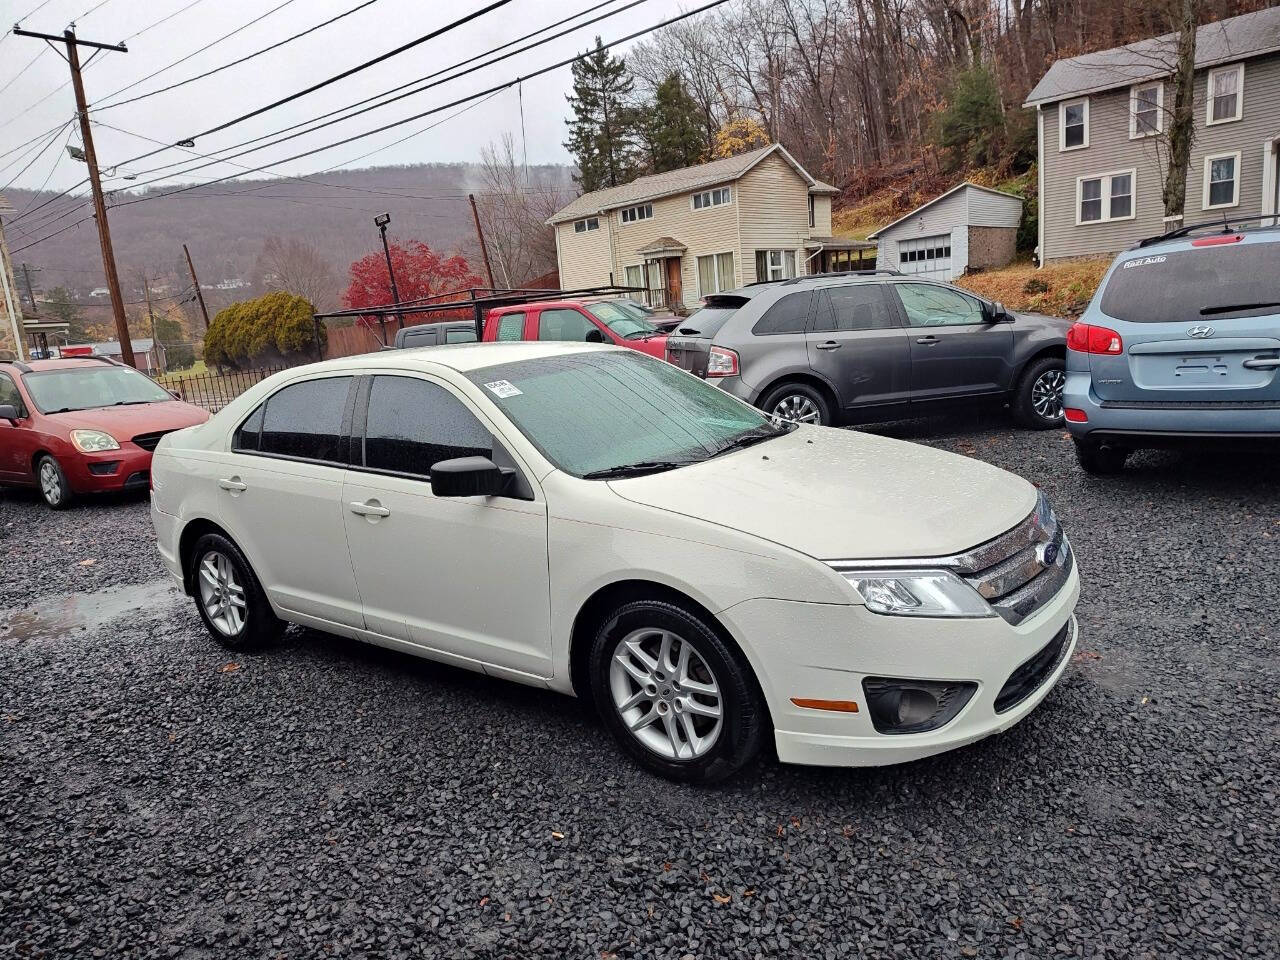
674 287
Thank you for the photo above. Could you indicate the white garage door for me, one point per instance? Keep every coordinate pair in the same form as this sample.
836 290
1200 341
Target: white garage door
926 256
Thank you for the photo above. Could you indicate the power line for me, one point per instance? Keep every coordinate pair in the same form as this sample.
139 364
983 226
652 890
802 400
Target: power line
39 53
400 96
164 19
56 160
39 153
225 66
52 235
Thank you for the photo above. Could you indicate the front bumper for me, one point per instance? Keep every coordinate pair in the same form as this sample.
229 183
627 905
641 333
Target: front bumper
1164 424
108 471
825 651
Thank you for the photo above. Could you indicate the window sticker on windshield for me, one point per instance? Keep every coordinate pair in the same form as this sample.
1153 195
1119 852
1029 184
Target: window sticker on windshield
503 389
1143 262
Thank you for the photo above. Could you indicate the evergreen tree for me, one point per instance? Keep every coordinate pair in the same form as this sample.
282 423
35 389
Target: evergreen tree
601 136
971 127
673 128
60 307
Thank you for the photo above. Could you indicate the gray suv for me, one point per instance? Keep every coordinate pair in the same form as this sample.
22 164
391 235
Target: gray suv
861 347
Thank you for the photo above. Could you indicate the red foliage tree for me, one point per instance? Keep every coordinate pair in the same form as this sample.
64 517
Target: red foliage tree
420 272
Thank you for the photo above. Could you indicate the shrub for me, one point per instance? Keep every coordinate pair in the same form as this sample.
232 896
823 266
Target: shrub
260 332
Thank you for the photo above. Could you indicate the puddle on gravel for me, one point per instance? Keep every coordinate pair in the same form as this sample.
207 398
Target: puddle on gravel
55 617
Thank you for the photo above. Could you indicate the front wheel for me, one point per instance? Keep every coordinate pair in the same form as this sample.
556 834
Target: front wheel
1099 459
53 484
798 403
674 695
231 602
1037 403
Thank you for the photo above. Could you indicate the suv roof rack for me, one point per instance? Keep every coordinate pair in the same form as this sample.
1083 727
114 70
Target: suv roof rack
19 364
883 271
1225 223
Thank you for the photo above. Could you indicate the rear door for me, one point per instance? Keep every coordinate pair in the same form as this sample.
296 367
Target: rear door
1198 326
955 350
858 344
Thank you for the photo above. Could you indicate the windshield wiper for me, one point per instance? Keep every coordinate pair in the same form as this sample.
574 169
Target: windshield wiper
638 469
1229 307
752 437
130 403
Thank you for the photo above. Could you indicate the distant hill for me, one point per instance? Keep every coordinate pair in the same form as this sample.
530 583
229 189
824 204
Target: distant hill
226 224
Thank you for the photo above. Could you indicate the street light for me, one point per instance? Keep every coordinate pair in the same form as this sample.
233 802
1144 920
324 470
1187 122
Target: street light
381 221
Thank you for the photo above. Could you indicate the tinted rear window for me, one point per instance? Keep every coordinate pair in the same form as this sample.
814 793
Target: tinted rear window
788 315
706 322
1190 286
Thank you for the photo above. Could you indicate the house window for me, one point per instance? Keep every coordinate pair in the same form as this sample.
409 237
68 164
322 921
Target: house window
1146 110
1221 181
1073 124
812 218
590 223
643 212
1104 198
712 198
715 273
1226 94
775 264
635 278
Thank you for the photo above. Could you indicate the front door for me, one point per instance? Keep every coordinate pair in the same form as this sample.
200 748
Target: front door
955 350
858 345
675 285
463 578
280 497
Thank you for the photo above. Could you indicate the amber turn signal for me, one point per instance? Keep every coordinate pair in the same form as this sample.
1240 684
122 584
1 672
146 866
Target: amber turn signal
839 706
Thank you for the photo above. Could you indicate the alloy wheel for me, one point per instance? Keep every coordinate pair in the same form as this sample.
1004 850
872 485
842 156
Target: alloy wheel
665 693
221 593
1046 395
50 482
796 408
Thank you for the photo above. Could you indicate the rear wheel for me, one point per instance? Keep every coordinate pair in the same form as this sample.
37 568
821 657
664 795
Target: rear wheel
1037 402
1100 459
674 695
53 483
798 403
229 597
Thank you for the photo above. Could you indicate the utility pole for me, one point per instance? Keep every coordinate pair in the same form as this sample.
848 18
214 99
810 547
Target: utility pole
484 251
155 341
91 159
195 282
26 275
9 290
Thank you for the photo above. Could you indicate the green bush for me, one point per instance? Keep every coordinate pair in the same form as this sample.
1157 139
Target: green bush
261 332
971 127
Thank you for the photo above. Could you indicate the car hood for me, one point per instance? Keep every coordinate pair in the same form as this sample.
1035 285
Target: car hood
129 421
839 494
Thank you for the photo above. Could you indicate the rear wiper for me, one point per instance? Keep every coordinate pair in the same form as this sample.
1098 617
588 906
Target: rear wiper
1229 307
689 331
637 469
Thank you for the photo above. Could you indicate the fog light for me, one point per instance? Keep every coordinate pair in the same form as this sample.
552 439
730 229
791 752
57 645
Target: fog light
914 706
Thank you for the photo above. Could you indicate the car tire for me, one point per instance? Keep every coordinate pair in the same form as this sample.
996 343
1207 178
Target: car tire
797 402
1037 401
1100 459
661 711
52 483
228 596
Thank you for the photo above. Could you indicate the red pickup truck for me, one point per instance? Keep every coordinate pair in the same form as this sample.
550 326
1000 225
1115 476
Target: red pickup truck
599 321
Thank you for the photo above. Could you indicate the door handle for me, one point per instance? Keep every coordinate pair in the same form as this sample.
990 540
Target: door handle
829 345
927 341
1262 363
371 508
234 484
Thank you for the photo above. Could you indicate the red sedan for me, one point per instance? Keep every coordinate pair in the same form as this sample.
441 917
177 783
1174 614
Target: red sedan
83 425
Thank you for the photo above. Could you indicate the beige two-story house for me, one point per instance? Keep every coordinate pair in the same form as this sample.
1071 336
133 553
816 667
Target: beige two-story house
687 233
1102 122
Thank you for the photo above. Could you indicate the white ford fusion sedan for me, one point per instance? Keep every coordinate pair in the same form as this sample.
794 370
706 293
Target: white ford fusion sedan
596 521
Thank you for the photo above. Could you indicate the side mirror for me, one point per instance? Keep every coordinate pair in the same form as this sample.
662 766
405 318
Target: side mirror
1000 314
469 477
9 412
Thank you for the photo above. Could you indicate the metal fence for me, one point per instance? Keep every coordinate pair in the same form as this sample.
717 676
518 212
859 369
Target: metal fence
214 390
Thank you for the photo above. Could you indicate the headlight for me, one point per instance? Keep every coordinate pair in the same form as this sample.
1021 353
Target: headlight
93 441
917 593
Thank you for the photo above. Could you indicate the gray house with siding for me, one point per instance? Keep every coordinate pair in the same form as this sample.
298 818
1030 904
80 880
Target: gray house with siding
1102 124
970 227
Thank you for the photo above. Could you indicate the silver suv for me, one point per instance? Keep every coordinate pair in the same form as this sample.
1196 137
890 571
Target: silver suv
862 347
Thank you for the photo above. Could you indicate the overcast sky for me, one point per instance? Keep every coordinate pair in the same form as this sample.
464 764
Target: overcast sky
189 109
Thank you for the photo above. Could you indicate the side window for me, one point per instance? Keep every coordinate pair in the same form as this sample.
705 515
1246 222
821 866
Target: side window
854 307
511 326
463 335
414 423
928 305
9 392
305 420
249 434
788 315
567 325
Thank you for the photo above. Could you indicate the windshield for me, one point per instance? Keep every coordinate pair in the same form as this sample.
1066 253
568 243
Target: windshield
621 321
82 388
589 412
1186 286
707 321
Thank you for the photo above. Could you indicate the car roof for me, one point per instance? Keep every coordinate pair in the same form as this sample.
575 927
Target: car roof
63 363
1248 235
462 357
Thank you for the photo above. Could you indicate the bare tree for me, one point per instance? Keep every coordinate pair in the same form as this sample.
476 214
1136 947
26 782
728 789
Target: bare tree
1182 122
300 268
514 205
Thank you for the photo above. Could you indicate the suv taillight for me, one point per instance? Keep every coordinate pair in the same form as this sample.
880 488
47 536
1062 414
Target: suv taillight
722 362
1087 338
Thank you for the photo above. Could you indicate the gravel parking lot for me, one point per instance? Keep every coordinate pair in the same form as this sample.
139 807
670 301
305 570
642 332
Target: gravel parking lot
159 798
